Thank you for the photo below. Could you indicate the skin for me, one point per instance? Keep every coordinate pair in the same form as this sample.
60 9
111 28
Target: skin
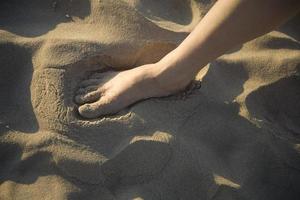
229 23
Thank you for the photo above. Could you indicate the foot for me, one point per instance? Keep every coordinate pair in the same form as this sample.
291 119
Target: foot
109 92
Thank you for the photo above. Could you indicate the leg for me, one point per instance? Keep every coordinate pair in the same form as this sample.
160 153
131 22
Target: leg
227 24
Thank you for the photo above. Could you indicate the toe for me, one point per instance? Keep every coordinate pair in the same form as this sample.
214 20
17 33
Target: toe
97 109
87 89
97 75
104 76
87 110
88 97
90 82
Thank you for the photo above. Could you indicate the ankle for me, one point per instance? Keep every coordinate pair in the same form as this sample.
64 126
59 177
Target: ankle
170 78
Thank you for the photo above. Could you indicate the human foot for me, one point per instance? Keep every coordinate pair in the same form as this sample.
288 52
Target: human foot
109 92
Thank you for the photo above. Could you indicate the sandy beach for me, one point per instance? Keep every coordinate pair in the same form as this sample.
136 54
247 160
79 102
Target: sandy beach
237 137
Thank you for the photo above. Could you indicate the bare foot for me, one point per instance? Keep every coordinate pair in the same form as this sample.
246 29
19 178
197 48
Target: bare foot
109 92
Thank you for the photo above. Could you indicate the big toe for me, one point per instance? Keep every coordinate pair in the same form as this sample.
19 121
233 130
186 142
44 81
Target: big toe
97 109
88 110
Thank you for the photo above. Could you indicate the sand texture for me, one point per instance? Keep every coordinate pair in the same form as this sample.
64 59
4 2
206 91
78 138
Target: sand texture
235 138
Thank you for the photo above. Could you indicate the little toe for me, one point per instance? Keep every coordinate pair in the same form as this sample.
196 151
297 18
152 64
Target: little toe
88 97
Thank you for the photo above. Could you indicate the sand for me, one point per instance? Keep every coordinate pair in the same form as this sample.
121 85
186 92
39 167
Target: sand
236 137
